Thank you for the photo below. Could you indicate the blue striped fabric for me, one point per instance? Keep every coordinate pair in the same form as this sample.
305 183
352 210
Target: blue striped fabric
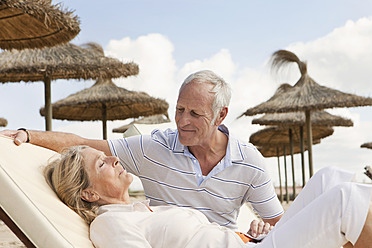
169 177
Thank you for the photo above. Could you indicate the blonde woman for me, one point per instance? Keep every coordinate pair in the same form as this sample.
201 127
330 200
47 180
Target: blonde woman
329 212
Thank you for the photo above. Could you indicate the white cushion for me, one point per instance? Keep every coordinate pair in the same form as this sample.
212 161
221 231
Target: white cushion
30 202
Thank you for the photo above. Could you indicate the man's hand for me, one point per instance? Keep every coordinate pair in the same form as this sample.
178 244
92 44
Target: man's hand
259 227
55 141
19 136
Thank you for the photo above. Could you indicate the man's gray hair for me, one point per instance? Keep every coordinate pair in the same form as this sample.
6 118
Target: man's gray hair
221 90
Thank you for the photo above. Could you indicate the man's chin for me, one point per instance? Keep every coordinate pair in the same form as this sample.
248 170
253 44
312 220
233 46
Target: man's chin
185 141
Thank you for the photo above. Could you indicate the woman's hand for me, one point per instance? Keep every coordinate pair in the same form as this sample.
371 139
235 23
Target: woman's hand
259 227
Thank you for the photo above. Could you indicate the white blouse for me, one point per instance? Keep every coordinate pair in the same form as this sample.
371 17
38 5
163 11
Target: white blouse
136 226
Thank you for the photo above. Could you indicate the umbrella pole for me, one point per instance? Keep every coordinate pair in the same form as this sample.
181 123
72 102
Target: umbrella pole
302 155
309 141
280 177
104 121
48 104
285 174
292 162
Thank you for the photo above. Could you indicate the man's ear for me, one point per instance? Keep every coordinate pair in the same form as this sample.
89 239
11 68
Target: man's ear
89 195
221 116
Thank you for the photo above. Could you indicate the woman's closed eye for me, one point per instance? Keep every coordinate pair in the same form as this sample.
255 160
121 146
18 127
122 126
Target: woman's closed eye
101 161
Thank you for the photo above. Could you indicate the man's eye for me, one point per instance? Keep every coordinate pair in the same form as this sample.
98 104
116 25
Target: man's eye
194 114
101 165
179 110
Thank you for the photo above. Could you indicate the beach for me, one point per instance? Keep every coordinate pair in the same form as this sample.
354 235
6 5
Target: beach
8 238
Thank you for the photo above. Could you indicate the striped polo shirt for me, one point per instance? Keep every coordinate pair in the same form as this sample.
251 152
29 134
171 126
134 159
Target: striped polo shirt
171 175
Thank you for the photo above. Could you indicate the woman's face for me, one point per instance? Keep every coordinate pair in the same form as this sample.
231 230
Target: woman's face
107 177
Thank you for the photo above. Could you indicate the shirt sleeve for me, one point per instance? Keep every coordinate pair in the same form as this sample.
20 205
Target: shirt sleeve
265 201
107 231
262 195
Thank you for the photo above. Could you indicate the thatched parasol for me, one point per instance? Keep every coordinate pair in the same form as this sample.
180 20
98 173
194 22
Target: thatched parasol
279 135
153 119
367 145
3 122
318 118
35 24
305 96
106 101
65 61
274 150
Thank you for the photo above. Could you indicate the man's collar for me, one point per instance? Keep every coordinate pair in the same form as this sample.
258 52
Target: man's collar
236 150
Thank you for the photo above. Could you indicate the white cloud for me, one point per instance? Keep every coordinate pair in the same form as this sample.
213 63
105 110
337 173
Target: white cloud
251 87
154 55
342 59
221 63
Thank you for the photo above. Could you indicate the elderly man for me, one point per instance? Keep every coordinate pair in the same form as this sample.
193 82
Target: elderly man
199 165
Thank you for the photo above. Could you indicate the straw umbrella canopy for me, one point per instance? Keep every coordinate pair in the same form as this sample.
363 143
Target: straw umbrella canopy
306 96
273 150
279 135
318 118
106 101
291 119
35 24
367 145
3 122
153 119
66 61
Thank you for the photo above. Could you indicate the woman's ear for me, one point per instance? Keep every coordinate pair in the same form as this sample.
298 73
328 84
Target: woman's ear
89 195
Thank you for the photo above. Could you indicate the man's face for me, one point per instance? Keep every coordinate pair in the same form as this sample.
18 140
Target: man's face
194 114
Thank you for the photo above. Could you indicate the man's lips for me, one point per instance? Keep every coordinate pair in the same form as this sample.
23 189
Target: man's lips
187 130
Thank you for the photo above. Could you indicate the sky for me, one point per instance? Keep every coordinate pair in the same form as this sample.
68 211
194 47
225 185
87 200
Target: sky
171 39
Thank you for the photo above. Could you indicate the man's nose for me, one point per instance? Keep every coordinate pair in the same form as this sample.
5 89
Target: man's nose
184 119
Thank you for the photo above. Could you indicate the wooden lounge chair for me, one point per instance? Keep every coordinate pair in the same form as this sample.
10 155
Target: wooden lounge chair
29 207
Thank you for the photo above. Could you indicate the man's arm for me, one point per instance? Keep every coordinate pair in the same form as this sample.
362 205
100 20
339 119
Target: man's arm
273 220
55 140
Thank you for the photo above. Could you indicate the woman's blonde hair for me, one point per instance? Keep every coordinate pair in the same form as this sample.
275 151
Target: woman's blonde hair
67 176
